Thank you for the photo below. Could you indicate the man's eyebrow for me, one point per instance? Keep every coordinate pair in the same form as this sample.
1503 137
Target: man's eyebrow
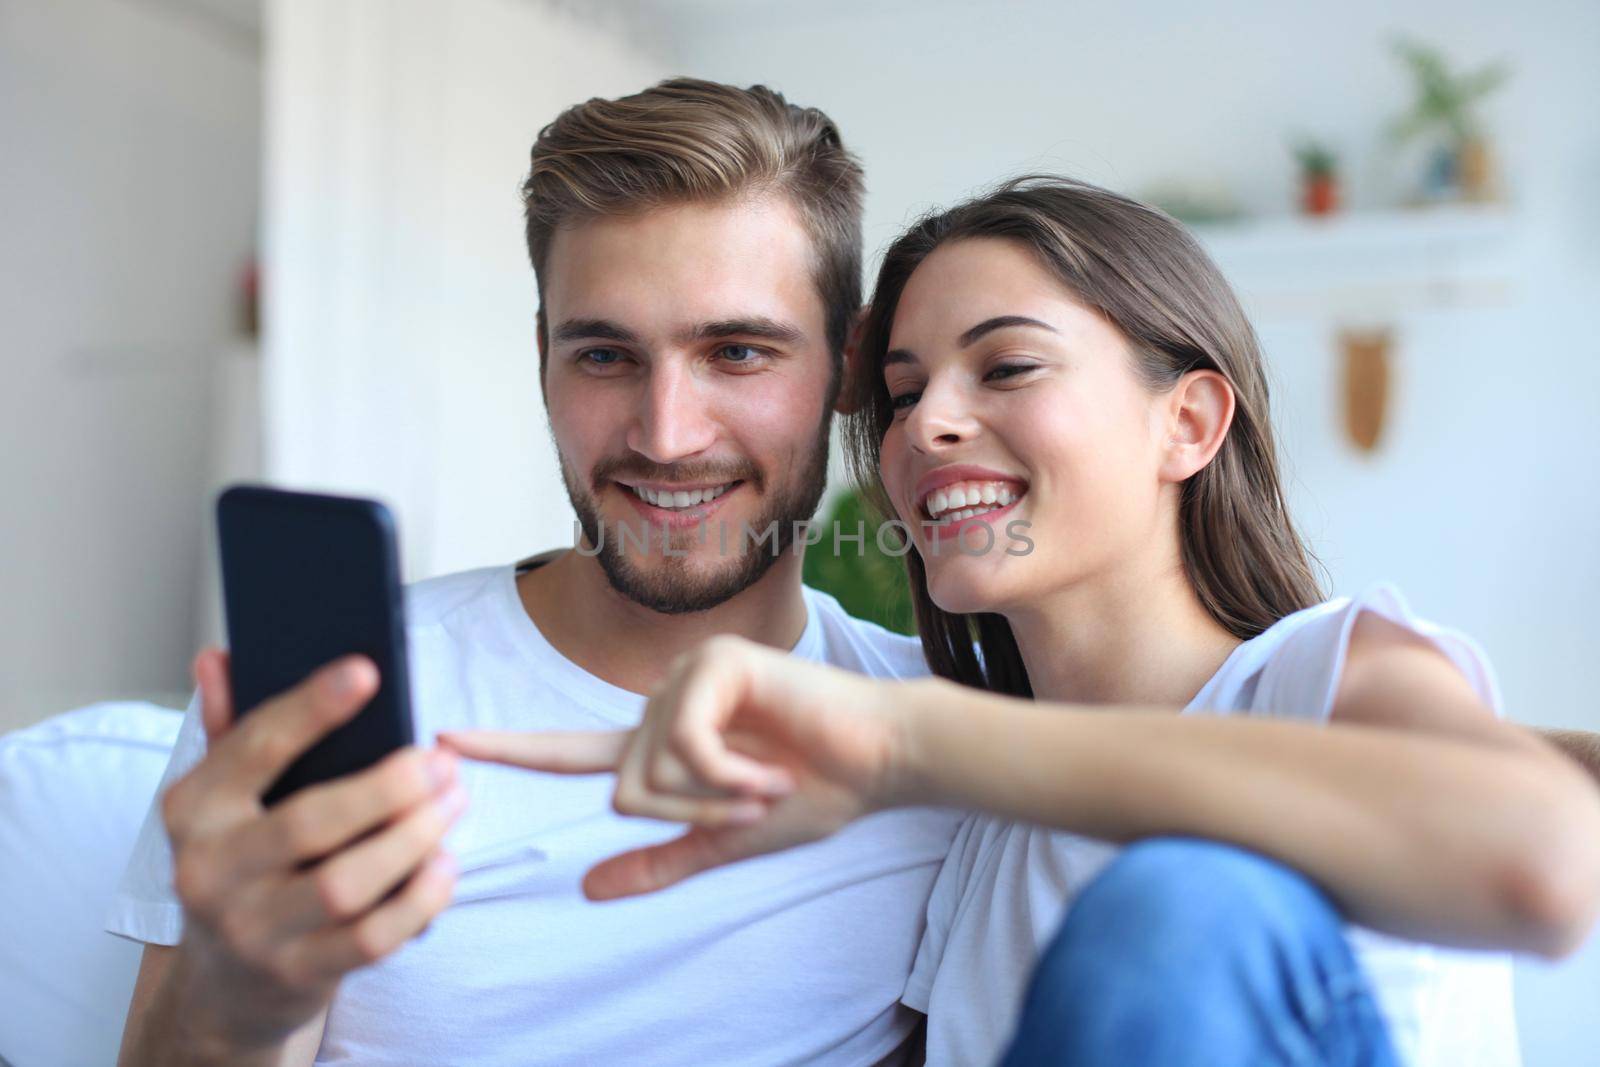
758 326
1000 322
593 330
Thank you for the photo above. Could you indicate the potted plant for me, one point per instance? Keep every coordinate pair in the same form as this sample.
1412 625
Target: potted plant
1319 177
1461 163
870 583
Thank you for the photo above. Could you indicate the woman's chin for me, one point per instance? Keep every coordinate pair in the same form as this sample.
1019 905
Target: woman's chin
963 591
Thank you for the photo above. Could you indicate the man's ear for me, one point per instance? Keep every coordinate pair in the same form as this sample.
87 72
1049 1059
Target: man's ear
845 403
1198 413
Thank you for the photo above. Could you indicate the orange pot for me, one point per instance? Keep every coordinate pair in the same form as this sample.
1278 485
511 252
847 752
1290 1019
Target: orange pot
1319 194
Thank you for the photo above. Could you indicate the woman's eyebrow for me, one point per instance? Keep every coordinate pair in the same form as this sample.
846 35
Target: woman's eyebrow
987 326
1000 322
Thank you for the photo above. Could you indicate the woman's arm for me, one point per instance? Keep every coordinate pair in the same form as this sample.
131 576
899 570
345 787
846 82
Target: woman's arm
1419 812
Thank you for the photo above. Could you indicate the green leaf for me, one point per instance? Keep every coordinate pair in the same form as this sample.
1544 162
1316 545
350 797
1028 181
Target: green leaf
867 582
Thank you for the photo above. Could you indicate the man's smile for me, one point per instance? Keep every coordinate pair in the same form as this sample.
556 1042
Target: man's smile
681 506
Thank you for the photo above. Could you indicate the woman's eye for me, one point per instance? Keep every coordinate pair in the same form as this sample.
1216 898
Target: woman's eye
1008 370
903 401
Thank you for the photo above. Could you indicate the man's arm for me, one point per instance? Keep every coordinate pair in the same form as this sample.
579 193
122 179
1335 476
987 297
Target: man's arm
156 1025
1582 745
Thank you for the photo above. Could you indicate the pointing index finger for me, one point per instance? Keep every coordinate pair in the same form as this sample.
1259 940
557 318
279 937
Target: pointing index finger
582 752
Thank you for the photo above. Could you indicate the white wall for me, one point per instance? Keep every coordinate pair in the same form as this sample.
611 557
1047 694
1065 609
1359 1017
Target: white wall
1484 506
128 183
400 350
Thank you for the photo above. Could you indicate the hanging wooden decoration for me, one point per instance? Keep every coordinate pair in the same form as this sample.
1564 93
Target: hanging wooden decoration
1366 356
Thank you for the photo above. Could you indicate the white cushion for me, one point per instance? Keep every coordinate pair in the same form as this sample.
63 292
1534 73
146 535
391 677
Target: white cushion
73 792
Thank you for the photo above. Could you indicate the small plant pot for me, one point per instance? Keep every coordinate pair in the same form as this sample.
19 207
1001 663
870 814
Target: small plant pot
1475 164
1319 194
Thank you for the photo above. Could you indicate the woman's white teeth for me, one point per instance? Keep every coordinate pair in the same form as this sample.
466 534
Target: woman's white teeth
957 502
679 498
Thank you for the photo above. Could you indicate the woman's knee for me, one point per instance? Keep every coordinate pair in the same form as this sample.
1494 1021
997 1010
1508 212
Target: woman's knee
1182 914
1179 938
1177 895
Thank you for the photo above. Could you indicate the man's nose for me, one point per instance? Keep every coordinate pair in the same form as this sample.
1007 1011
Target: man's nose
673 421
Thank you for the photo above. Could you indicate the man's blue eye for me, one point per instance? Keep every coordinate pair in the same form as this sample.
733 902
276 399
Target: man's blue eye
739 353
603 357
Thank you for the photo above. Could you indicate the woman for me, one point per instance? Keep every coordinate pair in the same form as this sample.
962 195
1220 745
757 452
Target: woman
1061 374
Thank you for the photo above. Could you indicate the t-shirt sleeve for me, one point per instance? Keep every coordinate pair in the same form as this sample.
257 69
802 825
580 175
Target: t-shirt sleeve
145 907
1301 678
948 887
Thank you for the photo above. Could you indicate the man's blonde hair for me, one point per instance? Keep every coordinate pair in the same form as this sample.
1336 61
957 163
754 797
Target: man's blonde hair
687 140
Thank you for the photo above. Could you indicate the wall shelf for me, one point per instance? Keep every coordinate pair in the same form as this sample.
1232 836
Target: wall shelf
1375 264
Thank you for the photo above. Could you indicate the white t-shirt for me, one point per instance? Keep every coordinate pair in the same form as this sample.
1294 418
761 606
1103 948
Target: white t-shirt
1005 887
796 957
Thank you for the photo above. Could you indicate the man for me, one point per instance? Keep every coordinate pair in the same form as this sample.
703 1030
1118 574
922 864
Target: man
697 250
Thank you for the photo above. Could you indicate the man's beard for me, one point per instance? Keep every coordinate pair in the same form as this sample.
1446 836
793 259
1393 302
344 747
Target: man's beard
674 586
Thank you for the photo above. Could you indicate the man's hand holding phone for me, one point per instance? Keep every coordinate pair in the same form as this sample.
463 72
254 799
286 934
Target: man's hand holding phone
281 902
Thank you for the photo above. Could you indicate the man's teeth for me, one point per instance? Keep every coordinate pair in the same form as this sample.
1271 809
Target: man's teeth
962 501
679 498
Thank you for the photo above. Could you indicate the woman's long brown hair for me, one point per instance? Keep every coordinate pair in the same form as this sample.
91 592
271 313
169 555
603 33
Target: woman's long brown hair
1150 278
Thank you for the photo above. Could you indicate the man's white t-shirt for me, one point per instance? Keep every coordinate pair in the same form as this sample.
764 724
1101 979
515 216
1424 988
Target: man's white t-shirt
1006 886
797 957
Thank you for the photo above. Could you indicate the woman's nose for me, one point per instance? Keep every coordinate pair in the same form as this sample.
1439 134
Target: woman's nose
942 417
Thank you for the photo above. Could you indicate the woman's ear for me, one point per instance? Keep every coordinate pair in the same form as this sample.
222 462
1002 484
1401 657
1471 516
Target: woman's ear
851 371
1199 410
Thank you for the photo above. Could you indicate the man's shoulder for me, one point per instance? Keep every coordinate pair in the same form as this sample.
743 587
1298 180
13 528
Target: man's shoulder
864 646
432 601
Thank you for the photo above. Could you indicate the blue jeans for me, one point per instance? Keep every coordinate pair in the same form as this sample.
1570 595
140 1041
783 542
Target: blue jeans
1197 953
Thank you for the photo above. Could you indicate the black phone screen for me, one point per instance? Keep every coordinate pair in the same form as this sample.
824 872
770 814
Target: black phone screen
306 579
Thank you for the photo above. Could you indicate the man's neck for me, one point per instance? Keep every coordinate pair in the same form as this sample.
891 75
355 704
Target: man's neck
584 619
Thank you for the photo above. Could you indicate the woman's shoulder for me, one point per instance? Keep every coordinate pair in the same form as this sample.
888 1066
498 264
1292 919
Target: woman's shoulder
1292 669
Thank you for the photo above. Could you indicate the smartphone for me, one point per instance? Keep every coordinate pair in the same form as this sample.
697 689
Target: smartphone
306 579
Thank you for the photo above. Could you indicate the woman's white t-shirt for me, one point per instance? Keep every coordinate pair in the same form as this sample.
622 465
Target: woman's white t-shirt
1005 886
